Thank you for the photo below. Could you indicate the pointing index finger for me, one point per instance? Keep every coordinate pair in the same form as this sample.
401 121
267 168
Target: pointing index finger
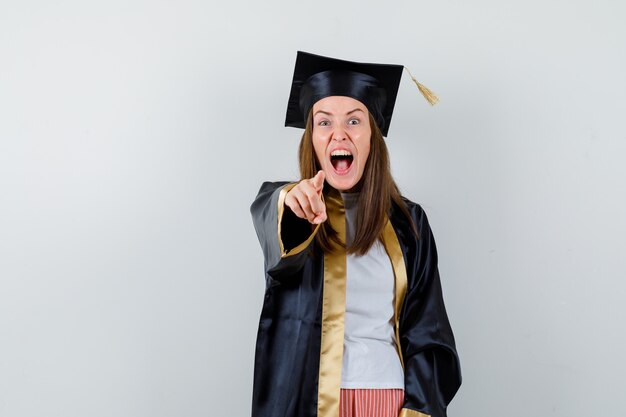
318 180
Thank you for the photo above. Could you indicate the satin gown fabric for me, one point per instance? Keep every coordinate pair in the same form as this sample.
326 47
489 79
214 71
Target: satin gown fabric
287 357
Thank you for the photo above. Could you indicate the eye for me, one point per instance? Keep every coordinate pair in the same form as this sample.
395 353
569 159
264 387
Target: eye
354 121
324 123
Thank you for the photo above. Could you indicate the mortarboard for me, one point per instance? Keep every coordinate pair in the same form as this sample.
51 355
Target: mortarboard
375 85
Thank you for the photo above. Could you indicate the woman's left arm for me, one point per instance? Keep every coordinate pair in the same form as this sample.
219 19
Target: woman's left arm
432 370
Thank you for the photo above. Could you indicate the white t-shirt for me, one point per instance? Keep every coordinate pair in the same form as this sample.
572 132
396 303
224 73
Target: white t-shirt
370 358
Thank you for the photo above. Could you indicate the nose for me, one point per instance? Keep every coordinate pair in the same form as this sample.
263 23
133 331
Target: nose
339 134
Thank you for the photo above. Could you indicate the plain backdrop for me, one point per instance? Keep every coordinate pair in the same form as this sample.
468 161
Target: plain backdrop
135 134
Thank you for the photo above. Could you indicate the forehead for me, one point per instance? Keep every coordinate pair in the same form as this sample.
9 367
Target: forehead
338 104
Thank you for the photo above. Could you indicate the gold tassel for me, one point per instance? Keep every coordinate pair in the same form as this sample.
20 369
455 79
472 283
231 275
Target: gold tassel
428 95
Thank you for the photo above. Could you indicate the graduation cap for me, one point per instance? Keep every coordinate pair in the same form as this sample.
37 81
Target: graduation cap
375 85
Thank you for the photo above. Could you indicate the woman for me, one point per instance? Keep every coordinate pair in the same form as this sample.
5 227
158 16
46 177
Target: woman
353 322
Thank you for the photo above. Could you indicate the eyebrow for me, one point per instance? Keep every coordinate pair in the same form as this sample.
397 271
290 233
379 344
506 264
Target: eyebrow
330 114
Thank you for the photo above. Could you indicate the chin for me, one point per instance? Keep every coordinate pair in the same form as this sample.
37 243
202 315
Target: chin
344 185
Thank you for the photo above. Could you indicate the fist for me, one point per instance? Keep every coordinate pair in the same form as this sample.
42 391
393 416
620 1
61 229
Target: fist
305 199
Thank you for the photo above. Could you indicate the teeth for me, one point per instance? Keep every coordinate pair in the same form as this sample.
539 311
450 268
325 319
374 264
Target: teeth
340 152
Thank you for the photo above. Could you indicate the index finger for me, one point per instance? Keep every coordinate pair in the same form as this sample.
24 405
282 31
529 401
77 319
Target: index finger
317 205
318 180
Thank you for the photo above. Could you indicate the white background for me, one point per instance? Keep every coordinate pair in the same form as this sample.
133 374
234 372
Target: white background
135 134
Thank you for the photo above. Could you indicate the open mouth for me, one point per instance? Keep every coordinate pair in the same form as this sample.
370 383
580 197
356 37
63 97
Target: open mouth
341 160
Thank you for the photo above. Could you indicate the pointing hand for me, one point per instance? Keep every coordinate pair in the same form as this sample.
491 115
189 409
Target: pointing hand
305 199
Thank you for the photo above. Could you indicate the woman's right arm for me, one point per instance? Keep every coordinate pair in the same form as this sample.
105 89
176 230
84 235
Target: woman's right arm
286 217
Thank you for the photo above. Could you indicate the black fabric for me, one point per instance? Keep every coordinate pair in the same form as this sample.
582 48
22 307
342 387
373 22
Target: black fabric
293 228
286 366
316 77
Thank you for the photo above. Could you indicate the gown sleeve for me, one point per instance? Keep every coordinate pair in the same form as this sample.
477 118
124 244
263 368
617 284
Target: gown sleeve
432 370
285 239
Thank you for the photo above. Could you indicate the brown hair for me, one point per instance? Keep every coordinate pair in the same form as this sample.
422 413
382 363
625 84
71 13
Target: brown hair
378 192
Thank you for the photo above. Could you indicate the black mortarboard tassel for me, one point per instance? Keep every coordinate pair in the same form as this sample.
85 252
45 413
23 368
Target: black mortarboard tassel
316 77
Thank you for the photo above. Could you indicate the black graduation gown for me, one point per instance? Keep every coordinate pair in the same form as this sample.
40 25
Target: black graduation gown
297 368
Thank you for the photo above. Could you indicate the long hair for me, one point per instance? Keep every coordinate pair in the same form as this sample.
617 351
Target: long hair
378 192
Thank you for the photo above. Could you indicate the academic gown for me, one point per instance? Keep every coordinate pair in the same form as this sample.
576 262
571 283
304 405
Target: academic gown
299 349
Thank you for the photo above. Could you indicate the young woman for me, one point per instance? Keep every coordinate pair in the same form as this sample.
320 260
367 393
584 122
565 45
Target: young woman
353 322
